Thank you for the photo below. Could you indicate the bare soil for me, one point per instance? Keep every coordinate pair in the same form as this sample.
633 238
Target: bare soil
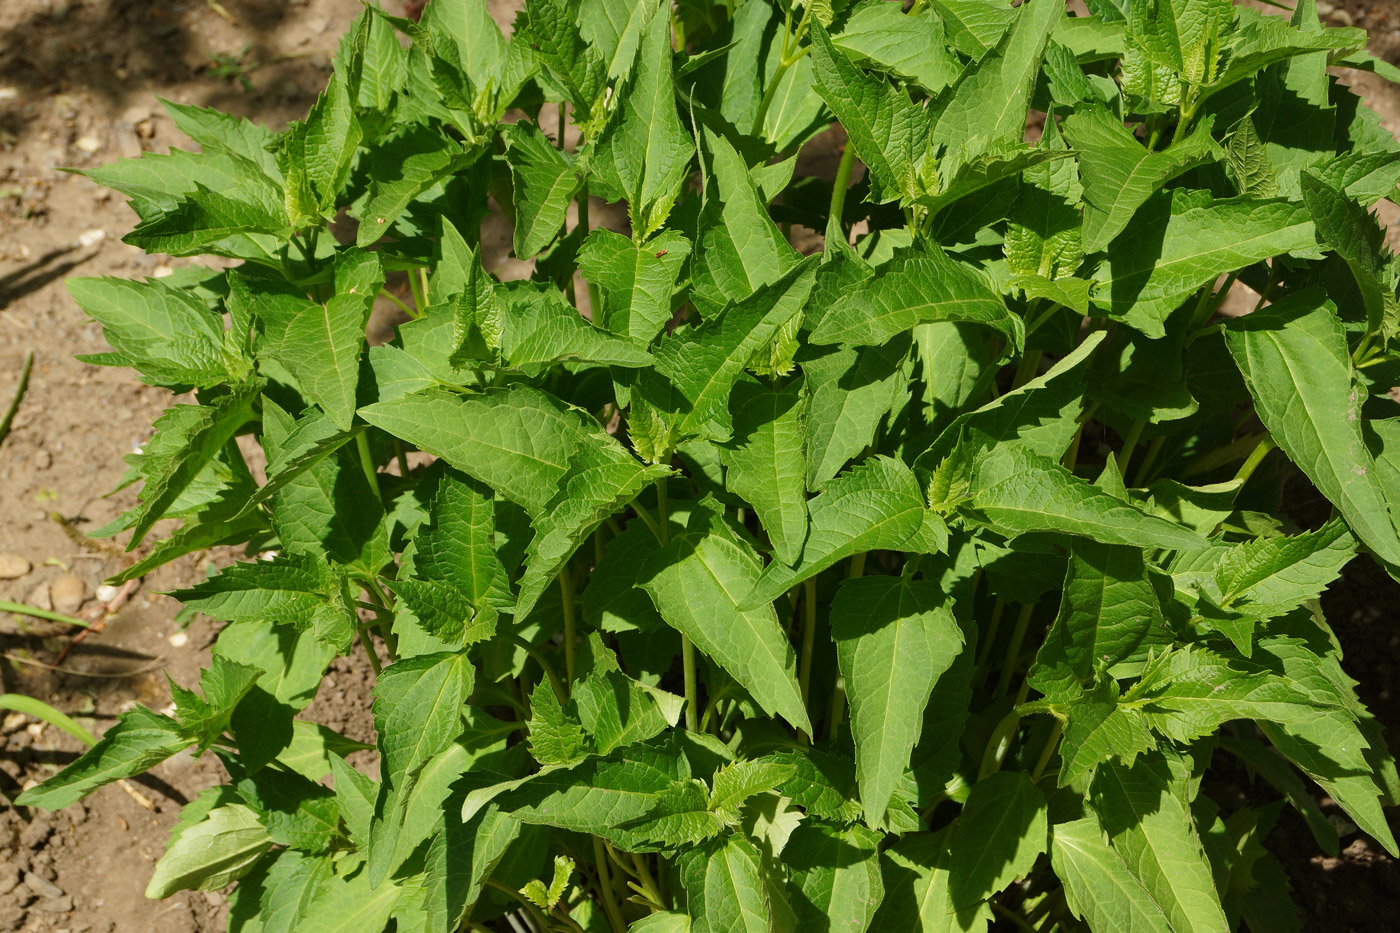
79 82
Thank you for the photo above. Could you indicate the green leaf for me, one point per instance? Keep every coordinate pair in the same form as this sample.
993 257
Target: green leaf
696 582
212 853
907 45
1189 692
849 392
637 279
294 589
836 869
1248 159
166 334
738 247
1349 229
224 683
894 638
917 286
1111 598
400 169
1183 243
1100 888
876 505
737 781
725 888
476 314
1294 358
589 496
987 107
312 439
915 872
187 437
576 68
1040 415
1151 830
138 741
765 460
1099 728
884 125
418 708
517 439
705 362
1018 491
645 144
1182 35
203 219
350 903
998 837
540 328
545 183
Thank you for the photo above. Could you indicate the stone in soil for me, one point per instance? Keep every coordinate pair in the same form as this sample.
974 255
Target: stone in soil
36 883
67 593
9 878
13 566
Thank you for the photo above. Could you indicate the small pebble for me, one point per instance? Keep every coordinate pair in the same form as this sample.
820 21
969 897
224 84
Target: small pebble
56 905
1343 17
88 144
9 878
39 597
39 886
106 592
43 460
179 640
92 237
67 593
12 566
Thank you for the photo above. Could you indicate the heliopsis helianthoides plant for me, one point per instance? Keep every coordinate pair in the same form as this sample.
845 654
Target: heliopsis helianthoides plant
912 584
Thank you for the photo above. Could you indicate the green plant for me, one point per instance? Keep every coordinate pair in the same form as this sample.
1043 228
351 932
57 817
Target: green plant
780 592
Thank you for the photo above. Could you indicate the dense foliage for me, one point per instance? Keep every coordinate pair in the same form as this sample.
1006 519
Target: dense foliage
915 584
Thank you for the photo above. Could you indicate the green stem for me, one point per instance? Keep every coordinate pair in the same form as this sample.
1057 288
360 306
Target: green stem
1047 752
544 664
998 607
600 859
19 395
809 636
401 456
1072 455
370 652
367 462
1153 450
419 298
566 591
385 293
857 568
1256 457
838 708
1013 650
1025 371
650 522
1041 318
768 93
423 282
1129 445
595 295
25 609
838 191
692 686
648 883
998 743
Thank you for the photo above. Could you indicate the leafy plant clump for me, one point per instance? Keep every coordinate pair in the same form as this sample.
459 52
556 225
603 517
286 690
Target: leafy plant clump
920 583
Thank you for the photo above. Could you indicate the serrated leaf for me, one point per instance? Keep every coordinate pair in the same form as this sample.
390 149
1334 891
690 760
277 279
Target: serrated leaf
837 871
293 589
645 144
1100 888
636 279
402 167
540 328
766 463
894 639
1294 358
696 582
1349 229
1182 243
918 286
545 183
998 837
915 873
1099 729
1151 829
1111 598
849 393
737 781
224 683
187 437
138 741
704 363
1019 490
1249 160
724 884
876 505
